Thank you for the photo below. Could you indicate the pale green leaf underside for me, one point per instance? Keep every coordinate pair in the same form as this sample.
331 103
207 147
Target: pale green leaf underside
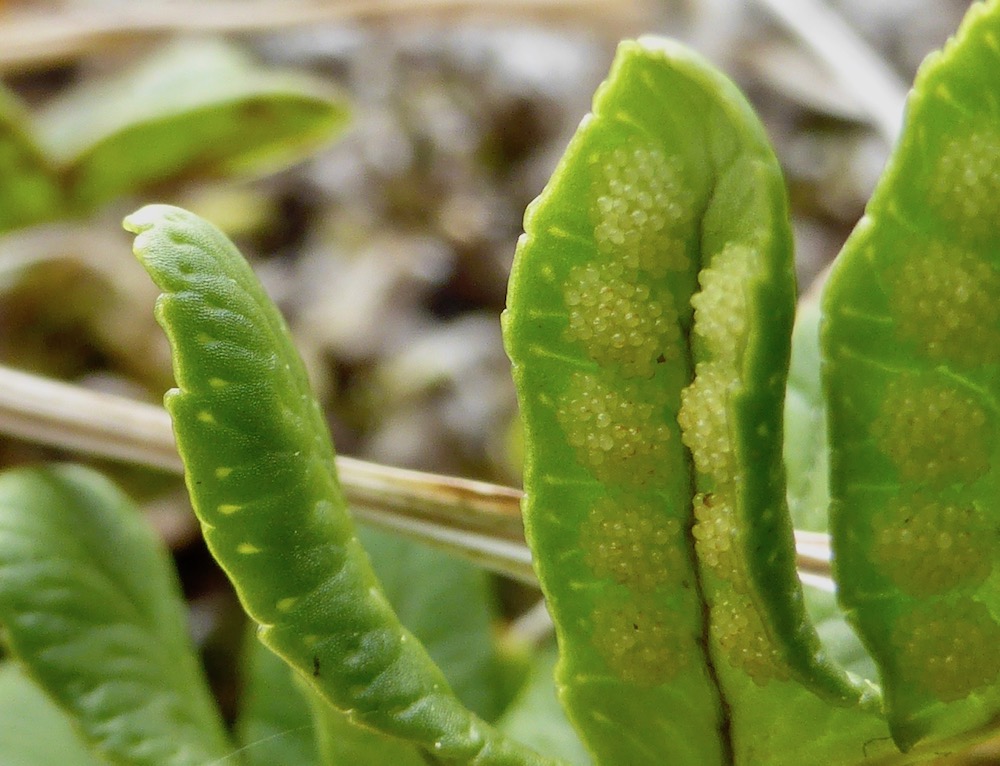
912 348
90 605
343 743
805 450
649 314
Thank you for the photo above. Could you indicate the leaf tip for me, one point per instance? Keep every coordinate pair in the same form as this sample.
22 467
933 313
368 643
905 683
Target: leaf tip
173 245
147 217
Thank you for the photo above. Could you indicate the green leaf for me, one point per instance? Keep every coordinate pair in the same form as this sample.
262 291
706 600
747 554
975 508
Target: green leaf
447 605
912 348
259 465
34 730
275 724
196 108
840 641
536 718
806 455
29 187
807 461
443 601
90 605
649 314
344 743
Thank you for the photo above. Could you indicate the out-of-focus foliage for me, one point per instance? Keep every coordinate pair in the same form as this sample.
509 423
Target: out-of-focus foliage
90 607
389 251
35 730
196 108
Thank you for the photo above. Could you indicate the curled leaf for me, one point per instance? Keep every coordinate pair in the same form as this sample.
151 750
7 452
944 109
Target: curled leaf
648 321
912 346
259 466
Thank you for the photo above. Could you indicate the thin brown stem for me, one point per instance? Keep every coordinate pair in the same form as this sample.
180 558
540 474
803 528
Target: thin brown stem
473 519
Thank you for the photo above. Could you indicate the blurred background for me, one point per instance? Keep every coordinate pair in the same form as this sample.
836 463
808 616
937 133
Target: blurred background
388 250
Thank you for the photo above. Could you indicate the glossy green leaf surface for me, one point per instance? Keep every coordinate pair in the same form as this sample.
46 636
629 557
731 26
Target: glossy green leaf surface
343 743
35 731
275 725
446 603
197 108
259 468
90 606
648 321
912 347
